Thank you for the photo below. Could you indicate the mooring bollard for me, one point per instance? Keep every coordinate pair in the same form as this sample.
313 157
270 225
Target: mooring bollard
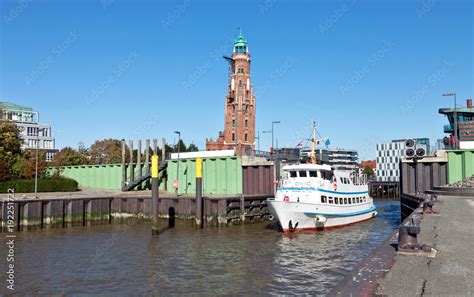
199 199
154 195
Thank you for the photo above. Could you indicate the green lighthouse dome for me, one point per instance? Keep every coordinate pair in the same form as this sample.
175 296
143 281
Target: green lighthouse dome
240 44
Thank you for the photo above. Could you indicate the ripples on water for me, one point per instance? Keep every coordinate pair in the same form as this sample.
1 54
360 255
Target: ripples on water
250 259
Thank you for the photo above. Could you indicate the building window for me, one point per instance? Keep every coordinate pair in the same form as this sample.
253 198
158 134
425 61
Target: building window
240 83
233 123
245 136
246 123
233 108
233 137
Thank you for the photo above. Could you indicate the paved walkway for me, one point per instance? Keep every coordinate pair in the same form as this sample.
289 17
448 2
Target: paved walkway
451 272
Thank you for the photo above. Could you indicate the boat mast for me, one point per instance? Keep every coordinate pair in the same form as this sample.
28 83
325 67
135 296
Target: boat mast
313 144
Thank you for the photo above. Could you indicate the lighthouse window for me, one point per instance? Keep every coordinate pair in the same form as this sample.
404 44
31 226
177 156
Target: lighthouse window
303 174
292 173
324 199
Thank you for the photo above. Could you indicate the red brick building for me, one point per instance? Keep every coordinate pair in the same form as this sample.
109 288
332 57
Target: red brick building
370 163
239 118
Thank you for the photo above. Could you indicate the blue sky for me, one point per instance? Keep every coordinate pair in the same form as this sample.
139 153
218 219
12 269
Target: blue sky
366 71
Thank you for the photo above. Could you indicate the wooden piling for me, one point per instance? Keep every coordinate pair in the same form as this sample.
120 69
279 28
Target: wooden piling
132 175
155 147
124 169
139 159
147 155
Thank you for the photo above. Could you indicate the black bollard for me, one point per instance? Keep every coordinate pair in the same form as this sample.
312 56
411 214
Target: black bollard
154 196
199 200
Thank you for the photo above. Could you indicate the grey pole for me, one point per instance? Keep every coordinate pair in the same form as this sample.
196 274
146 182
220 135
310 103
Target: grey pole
455 122
456 136
273 123
177 164
36 161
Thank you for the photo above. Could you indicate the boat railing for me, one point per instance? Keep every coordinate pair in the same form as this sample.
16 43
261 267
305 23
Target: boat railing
359 179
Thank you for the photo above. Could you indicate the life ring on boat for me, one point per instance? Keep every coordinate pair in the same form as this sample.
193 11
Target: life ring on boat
286 198
334 186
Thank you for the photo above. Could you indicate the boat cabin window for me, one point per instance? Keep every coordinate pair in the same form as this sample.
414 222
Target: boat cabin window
336 200
353 200
323 199
292 173
331 201
303 174
313 174
326 174
345 200
349 200
358 199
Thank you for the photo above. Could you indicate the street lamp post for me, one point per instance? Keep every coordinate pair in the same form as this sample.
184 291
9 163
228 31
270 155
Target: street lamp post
267 131
456 140
177 164
36 161
273 124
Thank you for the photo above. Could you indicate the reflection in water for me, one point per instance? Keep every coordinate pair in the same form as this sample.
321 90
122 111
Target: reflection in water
250 259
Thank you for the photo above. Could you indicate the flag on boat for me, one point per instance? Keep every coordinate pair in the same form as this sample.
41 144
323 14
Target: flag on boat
300 144
327 143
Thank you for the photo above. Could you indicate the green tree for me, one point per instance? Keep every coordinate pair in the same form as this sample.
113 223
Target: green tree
4 174
369 171
10 145
69 157
28 164
106 151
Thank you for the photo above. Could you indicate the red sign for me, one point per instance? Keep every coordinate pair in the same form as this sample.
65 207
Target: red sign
175 184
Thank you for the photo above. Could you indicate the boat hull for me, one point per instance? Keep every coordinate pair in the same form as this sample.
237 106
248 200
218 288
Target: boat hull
295 216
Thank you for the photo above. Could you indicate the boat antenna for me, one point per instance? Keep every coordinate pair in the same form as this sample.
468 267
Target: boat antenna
313 144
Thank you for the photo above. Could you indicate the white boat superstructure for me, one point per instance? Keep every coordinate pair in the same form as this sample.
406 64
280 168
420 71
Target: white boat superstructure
314 197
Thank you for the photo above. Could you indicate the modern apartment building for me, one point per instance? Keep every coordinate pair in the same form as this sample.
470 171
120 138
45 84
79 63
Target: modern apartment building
34 134
339 159
388 157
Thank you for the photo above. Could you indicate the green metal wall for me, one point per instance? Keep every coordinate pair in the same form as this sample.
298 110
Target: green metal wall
460 165
220 176
104 177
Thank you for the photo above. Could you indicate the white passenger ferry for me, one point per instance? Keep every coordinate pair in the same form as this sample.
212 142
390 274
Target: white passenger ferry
314 197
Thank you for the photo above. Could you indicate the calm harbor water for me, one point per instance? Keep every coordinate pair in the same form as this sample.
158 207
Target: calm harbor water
126 260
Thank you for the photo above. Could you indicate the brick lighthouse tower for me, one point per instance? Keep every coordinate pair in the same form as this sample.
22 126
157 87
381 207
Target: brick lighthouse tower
239 126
